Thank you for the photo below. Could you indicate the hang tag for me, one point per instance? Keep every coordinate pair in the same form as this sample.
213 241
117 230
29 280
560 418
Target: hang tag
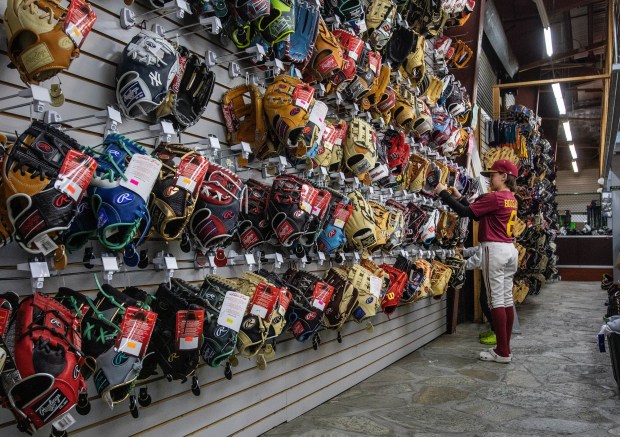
354 47
318 115
342 214
141 175
191 172
189 329
176 82
78 22
136 329
45 244
5 315
75 175
303 95
374 61
329 137
284 301
233 310
263 301
308 198
65 422
375 286
322 204
321 295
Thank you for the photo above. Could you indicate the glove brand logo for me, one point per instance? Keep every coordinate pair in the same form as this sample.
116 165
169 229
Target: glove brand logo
228 215
311 316
56 323
369 300
76 371
173 357
221 331
114 152
295 111
124 198
249 323
43 147
53 404
120 359
171 190
62 200
263 224
155 78
298 213
331 233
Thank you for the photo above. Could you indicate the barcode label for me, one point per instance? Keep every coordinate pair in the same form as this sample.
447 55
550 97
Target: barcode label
45 244
64 422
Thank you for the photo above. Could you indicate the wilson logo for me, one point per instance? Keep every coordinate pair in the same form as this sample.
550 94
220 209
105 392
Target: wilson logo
56 323
120 359
123 198
43 147
61 201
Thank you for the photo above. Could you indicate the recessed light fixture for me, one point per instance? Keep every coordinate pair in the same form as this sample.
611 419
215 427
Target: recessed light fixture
557 92
548 42
575 169
567 132
573 152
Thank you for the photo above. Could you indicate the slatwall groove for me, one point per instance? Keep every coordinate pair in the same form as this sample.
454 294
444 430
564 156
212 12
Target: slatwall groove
314 376
486 79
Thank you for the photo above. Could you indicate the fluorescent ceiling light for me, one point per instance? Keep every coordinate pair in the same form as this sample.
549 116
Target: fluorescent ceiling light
557 92
573 152
575 169
567 133
548 42
540 5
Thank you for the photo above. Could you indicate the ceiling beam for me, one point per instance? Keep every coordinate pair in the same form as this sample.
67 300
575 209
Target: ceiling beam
562 56
550 81
567 5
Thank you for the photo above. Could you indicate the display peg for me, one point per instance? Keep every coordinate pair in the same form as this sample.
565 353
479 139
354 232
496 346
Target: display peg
109 265
167 263
212 266
322 257
38 96
242 147
39 270
319 89
52 117
250 261
234 70
255 52
211 24
128 18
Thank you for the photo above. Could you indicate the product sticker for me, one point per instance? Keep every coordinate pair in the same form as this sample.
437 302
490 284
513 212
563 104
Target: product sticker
322 295
189 329
263 300
284 301
374 61
136 329
191 172
141 173
303 95
233 310
342 214
318 116
78 22
308 197
176 82
65 422
75 174
375 286
45 244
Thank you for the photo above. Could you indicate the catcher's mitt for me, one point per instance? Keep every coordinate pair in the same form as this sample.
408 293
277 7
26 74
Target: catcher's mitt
147 67
254 227
175 193
360 228
189 92
379 21
216 216
245 120
42 37
327 59
360 153
47 381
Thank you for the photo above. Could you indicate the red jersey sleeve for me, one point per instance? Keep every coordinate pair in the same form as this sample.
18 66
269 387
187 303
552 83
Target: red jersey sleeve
484 205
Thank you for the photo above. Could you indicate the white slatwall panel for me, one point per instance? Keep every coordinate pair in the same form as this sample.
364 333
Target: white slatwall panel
299 378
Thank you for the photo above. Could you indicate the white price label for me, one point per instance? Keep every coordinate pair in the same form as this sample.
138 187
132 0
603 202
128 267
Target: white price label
233 310
375 286
141 175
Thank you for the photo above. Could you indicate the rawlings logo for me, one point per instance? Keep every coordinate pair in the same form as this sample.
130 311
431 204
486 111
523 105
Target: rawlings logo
43 147
51 405
263 224
173 357
331 233
228 215
310 316
56 323
123 198
62 200
120 359
171 190
249 323
76 371
221 331
295 111
298 213
114 152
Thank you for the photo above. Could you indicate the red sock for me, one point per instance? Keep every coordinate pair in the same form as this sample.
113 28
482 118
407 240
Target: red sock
499 326
510 318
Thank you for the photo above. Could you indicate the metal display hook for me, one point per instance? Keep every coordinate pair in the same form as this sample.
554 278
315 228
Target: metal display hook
164 130
256 52
38 96
210 24
179 9
109 117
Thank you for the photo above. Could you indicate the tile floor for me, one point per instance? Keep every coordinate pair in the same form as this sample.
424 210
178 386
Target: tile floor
558 383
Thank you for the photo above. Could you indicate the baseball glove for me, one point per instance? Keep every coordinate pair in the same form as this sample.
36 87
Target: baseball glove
254 228
351 13
38 203
337 156
245 120
394 293
332 237
433 90
401 43
386 103
440 278
457 264
427 268
377 89
300 44
343 300
216 215
381 216
414 66
47 381
250 10
416 172
397 150
360 228
462 54
367 303
279 24
175 193
327 59
289 207
403 113
6 229
360 153
189 92
147 67
379 22
41 40
495 153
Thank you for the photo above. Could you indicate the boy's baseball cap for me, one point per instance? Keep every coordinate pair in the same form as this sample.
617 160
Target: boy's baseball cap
502 166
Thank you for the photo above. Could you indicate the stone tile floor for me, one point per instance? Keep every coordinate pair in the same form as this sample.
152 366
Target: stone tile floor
557 384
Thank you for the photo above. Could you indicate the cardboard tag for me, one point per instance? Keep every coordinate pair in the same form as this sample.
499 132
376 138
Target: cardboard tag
189 329
176 82
65 422
342 214
329 137
303 95
136 329
80 19
45 244
322 204
191 172
318 115
141 174
375 286
5 315
233 310
321 295
263 300
284 300
75 175
374 61
308 198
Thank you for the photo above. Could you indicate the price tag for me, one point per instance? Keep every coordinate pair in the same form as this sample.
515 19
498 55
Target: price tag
141 174
321 295
189 325
342 214
309 196
5 315
136 329
321 256
318 115
80 19
303 95
284 301
320 207
233 310
375 286
65 422
45 244
249 259
191 172
75 174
